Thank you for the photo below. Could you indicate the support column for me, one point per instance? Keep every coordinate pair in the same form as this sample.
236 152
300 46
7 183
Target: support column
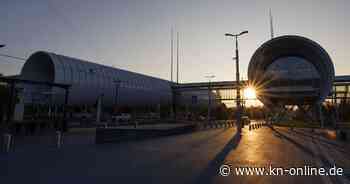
99 104
319 105
174 105
65 123
10 107
209 103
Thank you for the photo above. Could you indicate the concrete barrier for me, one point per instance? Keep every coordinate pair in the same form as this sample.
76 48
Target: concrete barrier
110 135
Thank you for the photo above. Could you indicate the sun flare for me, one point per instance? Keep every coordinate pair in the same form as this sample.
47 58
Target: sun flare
249 93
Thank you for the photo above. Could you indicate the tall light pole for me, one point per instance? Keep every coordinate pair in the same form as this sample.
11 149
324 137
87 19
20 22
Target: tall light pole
238 89
209 77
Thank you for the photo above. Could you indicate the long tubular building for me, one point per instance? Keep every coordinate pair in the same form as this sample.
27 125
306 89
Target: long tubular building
89 81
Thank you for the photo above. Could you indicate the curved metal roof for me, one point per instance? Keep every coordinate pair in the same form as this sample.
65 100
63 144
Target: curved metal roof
89 80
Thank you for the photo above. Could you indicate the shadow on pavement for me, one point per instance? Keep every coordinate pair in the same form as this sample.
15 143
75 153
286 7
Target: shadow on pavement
302 147
212 170
339 146
207 139
280 135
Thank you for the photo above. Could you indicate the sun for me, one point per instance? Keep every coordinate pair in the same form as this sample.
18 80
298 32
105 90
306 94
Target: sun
249 93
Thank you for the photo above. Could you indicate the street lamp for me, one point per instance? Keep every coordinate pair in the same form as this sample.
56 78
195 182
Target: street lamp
238 93
209 77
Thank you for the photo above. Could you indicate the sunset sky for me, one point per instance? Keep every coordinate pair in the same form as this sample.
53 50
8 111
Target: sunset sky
135 34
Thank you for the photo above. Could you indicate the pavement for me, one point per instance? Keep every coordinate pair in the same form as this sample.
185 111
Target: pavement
188 158
152 126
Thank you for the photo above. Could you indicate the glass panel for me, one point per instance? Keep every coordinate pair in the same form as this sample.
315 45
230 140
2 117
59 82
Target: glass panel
340 88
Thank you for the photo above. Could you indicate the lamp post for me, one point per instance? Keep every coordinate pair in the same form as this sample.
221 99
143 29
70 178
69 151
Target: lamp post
238 92
209 94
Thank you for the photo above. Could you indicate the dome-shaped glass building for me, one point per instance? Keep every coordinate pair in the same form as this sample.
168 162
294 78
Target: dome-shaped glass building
291 70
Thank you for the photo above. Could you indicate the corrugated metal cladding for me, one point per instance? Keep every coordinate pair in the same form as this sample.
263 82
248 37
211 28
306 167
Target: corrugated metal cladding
90 80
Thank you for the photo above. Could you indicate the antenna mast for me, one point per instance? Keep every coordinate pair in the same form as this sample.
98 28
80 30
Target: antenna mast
172 54
271 24
177 59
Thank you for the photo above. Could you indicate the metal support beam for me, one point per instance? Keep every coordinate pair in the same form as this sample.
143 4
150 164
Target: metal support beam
9 114
320 113
65 123
209 102
174 105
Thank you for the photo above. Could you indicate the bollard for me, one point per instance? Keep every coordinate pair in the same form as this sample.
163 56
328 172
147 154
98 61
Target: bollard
7 142
59 139
342 135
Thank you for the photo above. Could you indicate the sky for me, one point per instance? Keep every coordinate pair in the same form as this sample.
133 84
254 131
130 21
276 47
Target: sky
135 34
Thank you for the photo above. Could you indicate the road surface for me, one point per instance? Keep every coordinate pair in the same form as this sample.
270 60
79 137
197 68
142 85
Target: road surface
189 158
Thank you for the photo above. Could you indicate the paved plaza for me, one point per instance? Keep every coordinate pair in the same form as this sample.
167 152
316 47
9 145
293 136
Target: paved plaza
188 158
